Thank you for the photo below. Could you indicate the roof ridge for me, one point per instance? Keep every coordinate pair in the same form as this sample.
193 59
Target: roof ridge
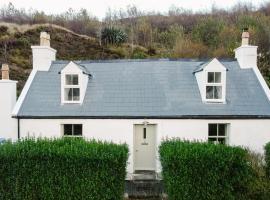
141 60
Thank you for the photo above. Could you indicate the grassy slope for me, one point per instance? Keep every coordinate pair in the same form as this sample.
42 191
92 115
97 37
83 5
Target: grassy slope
69 46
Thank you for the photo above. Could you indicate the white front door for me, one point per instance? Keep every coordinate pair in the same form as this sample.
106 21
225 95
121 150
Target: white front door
145 147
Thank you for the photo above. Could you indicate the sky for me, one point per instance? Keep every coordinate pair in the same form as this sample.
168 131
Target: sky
99 8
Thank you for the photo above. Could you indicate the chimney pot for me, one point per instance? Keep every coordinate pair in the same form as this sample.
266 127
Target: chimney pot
5 72
44 39
245 37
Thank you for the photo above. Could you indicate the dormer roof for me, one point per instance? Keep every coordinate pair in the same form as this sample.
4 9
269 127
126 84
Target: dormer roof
214 61
75 64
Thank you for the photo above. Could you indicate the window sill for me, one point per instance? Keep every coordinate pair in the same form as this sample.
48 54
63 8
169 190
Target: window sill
73 136
216 101
71 102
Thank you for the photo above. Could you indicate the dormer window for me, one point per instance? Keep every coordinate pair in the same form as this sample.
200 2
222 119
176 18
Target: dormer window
74 81
213 86
72 88
211 79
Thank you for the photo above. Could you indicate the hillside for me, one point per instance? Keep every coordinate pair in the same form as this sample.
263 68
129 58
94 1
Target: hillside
69 46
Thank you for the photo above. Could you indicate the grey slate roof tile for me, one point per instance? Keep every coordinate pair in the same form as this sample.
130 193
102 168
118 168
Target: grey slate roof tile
145 88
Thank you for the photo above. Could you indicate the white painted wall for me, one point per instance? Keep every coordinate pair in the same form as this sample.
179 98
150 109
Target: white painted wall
8 96
43 57
253 134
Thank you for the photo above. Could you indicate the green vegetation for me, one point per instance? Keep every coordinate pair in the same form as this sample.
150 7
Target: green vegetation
267 159
259 187
194 170
62 169
113 36
132 33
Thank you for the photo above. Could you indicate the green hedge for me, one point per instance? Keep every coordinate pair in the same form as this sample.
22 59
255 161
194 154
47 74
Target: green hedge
62 169
204 171
267 159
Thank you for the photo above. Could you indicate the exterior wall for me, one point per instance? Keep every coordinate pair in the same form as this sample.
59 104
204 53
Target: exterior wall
8 125
248 133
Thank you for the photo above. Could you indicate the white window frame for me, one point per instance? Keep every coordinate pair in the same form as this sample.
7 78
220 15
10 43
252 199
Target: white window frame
75 136
213 85
71 87
226 136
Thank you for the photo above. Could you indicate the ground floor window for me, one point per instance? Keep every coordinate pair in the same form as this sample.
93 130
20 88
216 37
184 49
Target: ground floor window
72 130
217 133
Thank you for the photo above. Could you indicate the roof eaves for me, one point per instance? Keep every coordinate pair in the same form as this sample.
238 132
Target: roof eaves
150 117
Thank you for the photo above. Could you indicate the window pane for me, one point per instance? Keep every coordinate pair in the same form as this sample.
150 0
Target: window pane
209 92
222 129
77 129
211 78
68 79
67 129
75 80
68 94
217 92
212 129
76 94
217 77
72 79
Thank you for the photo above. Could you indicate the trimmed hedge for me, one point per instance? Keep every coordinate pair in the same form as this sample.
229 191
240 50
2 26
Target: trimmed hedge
267 159
205 171
62 169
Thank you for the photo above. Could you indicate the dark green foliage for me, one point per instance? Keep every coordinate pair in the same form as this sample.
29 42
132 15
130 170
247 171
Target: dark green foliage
259 187
204 171
112 35
62 169
207 32
267 159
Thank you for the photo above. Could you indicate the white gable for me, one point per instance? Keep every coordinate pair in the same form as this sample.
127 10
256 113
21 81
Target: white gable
202 80
71 67
214 65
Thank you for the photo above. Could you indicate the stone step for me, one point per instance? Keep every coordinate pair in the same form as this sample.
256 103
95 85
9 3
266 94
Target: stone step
144 188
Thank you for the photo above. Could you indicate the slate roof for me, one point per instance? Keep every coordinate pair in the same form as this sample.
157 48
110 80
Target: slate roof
145 89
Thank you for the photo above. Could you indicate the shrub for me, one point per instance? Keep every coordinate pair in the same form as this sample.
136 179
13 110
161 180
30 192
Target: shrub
112 35
267 159
62 169
259 187
205 171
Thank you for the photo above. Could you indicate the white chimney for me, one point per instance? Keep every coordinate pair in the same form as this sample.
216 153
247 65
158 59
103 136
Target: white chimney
246 54
8 92
43 55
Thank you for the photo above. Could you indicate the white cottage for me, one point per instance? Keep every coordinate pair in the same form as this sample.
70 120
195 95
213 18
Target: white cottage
140 102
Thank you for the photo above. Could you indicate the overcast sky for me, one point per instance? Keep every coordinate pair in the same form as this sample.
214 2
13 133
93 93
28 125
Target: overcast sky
99 7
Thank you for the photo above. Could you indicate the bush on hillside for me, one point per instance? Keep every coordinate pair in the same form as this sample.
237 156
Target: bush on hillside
112 35
194 170
62 169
